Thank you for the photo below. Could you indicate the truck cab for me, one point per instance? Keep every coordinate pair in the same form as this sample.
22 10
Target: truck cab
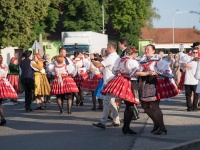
84 41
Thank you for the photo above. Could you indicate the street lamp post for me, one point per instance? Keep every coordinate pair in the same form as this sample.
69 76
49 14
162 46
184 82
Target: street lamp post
103 30
176 12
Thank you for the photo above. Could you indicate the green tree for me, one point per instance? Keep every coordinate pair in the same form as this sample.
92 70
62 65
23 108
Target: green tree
19 21
83 15
129 16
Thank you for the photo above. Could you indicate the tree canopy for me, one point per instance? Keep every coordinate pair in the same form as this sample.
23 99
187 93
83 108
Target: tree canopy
21 21
18 19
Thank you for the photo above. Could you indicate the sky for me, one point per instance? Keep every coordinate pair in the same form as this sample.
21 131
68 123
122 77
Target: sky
182 18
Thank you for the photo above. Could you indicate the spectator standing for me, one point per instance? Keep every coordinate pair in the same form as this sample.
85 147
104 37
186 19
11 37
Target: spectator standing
191 82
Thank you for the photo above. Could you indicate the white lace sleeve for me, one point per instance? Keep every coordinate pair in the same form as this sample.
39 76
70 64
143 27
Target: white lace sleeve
72 69
132 66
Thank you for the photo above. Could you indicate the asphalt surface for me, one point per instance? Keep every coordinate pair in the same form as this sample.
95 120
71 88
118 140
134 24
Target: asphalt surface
48 130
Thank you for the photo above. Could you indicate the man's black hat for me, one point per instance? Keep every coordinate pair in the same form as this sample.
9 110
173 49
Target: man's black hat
195 44
27 53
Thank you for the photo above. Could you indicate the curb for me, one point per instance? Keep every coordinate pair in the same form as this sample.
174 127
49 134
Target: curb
194 145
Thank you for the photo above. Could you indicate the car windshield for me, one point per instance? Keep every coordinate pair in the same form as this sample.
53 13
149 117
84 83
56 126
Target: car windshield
73 48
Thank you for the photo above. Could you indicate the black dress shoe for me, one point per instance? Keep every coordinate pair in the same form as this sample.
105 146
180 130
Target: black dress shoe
113 125
99 125
38 108
129 131
160 131
29 109
61 111
3 122
155 128
69 112
93 108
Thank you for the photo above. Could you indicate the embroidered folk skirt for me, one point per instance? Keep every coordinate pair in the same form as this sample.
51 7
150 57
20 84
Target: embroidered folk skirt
67 85
152 88
79 78
6 90
14 81
100 86
147 88
91 82
166 88
120 87
41 86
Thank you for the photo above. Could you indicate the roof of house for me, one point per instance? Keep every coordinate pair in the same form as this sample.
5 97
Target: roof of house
146 34
165 35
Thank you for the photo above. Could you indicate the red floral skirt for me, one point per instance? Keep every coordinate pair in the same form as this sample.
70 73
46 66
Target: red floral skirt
63 85
165 88
14 81
79 78
120 87
91 82
6 90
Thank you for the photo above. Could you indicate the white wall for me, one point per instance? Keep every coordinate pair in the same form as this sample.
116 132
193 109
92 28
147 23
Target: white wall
7 54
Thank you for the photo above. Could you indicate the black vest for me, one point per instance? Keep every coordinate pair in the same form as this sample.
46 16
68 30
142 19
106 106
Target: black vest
27 73
123 53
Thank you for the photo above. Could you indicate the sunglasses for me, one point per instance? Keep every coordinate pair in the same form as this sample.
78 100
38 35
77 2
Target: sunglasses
194 52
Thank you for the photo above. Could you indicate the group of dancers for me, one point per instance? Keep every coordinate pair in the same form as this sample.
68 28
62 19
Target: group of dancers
107 76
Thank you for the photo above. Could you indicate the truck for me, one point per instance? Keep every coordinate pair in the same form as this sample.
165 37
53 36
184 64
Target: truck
89 41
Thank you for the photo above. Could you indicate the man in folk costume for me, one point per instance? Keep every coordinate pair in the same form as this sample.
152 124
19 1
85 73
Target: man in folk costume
27 79
107 65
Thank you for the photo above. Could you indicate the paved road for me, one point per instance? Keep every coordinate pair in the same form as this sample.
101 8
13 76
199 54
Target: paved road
47 129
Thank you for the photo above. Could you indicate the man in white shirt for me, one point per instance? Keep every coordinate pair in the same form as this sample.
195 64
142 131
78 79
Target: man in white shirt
190 82
107 65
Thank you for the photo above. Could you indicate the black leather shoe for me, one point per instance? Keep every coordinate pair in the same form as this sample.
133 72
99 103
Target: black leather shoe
129 131
38 108
113 125
61 111
69 112
29 109
99 125
155 128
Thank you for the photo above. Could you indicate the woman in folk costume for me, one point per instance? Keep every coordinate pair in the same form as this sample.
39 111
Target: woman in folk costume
100 85
91 82
41 86
121 87
155 83
183 58
81 74
6 90
13 75
63 83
